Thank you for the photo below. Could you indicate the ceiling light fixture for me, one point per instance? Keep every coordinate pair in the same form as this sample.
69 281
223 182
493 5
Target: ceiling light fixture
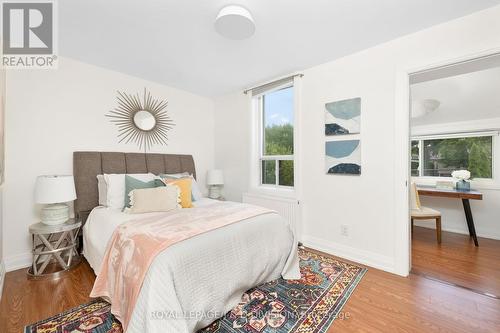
420 108
235 22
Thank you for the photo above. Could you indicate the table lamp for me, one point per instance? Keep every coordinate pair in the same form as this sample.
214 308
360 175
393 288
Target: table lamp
215 180
54 191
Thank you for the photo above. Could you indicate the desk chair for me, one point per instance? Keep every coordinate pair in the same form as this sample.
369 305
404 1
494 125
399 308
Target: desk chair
418 212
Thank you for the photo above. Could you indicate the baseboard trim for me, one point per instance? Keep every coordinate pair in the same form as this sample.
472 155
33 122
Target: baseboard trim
367 258
454 230
2 277
18 261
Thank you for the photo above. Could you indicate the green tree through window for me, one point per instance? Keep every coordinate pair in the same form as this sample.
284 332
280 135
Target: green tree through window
278 140
277 117
442 156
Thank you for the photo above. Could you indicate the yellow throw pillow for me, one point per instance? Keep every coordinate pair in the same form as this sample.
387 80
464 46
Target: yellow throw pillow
184 185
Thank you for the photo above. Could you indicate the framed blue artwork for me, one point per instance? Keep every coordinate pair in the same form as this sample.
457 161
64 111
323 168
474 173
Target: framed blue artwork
343 157
343 117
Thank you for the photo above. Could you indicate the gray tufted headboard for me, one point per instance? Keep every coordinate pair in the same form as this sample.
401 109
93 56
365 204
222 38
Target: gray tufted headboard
88 164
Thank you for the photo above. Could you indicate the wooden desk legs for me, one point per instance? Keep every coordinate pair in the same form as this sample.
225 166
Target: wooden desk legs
470 220
438 229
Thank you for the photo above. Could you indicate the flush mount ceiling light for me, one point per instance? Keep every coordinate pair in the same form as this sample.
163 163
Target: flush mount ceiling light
420 108
235 22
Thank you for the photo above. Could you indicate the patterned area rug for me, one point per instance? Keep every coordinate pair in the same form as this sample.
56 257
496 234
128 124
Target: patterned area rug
294 306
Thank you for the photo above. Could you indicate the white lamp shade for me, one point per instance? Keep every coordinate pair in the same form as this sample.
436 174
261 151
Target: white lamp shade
215 177
54 189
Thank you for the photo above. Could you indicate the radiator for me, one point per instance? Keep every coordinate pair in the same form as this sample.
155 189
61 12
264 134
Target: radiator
288 208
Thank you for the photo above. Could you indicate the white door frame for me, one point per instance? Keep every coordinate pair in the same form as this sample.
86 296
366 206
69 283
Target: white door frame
402 244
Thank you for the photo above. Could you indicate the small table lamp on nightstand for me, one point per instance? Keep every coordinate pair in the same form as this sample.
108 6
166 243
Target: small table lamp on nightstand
54 192
215 180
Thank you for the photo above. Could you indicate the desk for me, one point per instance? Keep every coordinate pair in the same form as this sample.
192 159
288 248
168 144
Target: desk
456 194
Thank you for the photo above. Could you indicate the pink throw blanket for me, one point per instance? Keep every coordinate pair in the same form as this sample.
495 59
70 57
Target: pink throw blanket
135 244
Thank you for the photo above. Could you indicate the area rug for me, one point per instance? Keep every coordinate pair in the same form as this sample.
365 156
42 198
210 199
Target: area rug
310 304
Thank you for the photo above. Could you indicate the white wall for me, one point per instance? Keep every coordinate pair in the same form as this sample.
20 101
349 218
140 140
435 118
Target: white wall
232 142
486 211
366 203
52 113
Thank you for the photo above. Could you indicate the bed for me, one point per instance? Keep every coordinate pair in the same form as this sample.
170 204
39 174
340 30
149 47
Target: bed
195 281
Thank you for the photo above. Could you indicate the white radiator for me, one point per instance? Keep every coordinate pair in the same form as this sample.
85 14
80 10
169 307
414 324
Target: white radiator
288 208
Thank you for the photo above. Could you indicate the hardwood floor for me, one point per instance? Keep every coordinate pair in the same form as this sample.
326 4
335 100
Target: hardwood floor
382 302
26 301
457 260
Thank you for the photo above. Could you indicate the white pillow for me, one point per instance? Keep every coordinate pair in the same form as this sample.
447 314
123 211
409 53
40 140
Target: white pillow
175 175
195 190
115 195
102 189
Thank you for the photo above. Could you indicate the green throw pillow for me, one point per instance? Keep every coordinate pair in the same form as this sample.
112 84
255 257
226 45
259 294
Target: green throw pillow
132 183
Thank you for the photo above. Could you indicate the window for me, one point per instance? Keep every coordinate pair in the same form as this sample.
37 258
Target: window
276 137
439 157
415 158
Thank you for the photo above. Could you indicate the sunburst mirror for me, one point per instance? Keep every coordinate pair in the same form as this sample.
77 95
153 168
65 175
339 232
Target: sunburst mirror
145 122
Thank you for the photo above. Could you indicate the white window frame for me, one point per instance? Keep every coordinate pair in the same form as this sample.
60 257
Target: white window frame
420 157
478 182
261 143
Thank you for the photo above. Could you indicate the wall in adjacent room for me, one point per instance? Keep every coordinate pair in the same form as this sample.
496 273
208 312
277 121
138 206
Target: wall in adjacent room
51 113
486 211
365 203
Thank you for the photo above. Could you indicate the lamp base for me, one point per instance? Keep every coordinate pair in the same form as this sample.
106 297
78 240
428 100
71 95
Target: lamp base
214 192
55 214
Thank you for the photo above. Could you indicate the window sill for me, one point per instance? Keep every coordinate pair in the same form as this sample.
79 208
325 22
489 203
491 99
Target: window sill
478 184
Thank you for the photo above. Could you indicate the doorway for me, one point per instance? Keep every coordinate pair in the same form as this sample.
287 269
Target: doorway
455 174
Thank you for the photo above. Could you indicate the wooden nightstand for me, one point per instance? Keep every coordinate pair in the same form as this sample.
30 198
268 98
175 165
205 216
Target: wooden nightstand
54 246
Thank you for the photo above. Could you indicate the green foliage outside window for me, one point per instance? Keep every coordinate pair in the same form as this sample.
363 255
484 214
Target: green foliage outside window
278 140
269 172
473 154
443 156
415 158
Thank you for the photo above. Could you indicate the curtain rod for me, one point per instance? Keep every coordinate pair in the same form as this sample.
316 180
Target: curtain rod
272 82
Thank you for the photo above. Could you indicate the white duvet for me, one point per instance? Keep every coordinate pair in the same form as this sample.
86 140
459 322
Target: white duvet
193 282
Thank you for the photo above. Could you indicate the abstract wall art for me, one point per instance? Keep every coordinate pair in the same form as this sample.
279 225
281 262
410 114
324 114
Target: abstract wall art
343 157
343 117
